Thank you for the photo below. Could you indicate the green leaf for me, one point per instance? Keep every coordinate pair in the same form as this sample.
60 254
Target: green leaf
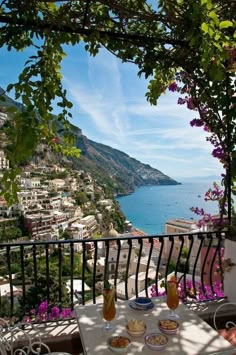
204 27
209 5
11 109
225 24
10 87
107 286
216 73
214 17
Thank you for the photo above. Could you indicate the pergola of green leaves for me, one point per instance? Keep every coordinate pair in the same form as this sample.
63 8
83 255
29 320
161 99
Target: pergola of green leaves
195 37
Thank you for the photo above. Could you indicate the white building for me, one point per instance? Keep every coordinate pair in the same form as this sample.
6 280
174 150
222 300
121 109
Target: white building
32 183
4 163
77 288
3 118
57 184
90 223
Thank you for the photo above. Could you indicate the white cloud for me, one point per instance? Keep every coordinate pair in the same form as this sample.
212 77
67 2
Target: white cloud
102 99
122 118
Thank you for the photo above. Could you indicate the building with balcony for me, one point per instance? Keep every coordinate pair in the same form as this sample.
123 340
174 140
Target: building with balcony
39 226
57 184
90 223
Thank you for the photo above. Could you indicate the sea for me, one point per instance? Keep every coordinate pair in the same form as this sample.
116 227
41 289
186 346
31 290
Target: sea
150 207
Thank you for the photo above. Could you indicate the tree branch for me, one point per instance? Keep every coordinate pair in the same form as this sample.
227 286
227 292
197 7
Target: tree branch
140 40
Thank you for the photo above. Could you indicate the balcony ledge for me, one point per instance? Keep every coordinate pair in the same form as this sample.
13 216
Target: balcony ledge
59 336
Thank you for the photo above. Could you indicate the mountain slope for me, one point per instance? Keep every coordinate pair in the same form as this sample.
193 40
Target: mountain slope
108 166
126 172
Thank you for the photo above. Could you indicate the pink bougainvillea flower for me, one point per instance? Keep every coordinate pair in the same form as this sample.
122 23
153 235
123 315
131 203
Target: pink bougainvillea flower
55 313
181 101
66 313
218 153
190 103
187 293
43 307
173 86
197 122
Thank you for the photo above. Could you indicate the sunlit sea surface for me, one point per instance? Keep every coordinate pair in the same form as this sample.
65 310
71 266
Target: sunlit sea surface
149 207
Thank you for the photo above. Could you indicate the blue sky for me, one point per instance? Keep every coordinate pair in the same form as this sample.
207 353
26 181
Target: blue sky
110 107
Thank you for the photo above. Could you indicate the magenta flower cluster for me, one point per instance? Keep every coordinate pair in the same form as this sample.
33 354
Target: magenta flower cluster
218 153
187 100
197 122
202 293
173 86
46 313
213 194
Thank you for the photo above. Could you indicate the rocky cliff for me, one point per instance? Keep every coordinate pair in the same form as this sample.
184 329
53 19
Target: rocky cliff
120 172
125 171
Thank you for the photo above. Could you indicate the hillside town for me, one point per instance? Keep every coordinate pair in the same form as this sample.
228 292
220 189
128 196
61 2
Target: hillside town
57 202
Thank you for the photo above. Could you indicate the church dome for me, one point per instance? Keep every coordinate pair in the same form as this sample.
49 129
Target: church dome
112 233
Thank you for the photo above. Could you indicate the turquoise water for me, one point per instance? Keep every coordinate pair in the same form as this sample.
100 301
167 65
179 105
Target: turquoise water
149 207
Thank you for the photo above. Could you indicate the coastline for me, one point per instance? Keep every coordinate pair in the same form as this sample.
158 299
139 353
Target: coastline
136 232
150 207
130 192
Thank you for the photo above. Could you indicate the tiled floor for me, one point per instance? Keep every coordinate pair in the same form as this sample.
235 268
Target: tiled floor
62 336
69 344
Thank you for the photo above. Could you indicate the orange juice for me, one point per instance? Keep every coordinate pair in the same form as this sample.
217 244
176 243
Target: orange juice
172 295
109 308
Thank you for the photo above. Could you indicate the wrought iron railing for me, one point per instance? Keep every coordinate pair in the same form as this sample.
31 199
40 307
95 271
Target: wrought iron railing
195 258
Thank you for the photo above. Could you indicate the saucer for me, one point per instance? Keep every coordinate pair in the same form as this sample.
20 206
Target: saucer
136 307
143 301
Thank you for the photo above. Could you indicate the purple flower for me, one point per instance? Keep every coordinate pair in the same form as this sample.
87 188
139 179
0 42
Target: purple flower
43 307
27 319
173 86
218 153
181 101
197 122
43 313
66 313
187 293
190 104
55 313
198 211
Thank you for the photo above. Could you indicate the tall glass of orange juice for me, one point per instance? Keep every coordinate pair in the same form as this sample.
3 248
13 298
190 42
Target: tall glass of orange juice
172 298
109 308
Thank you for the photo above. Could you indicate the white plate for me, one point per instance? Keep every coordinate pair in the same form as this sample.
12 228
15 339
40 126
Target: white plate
156 341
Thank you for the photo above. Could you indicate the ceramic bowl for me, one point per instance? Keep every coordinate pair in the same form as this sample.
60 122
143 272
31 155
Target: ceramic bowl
136 307
119 343
143 301
168 326
156 341
136 334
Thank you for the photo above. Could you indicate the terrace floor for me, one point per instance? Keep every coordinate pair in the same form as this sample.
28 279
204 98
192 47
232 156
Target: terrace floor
63 335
